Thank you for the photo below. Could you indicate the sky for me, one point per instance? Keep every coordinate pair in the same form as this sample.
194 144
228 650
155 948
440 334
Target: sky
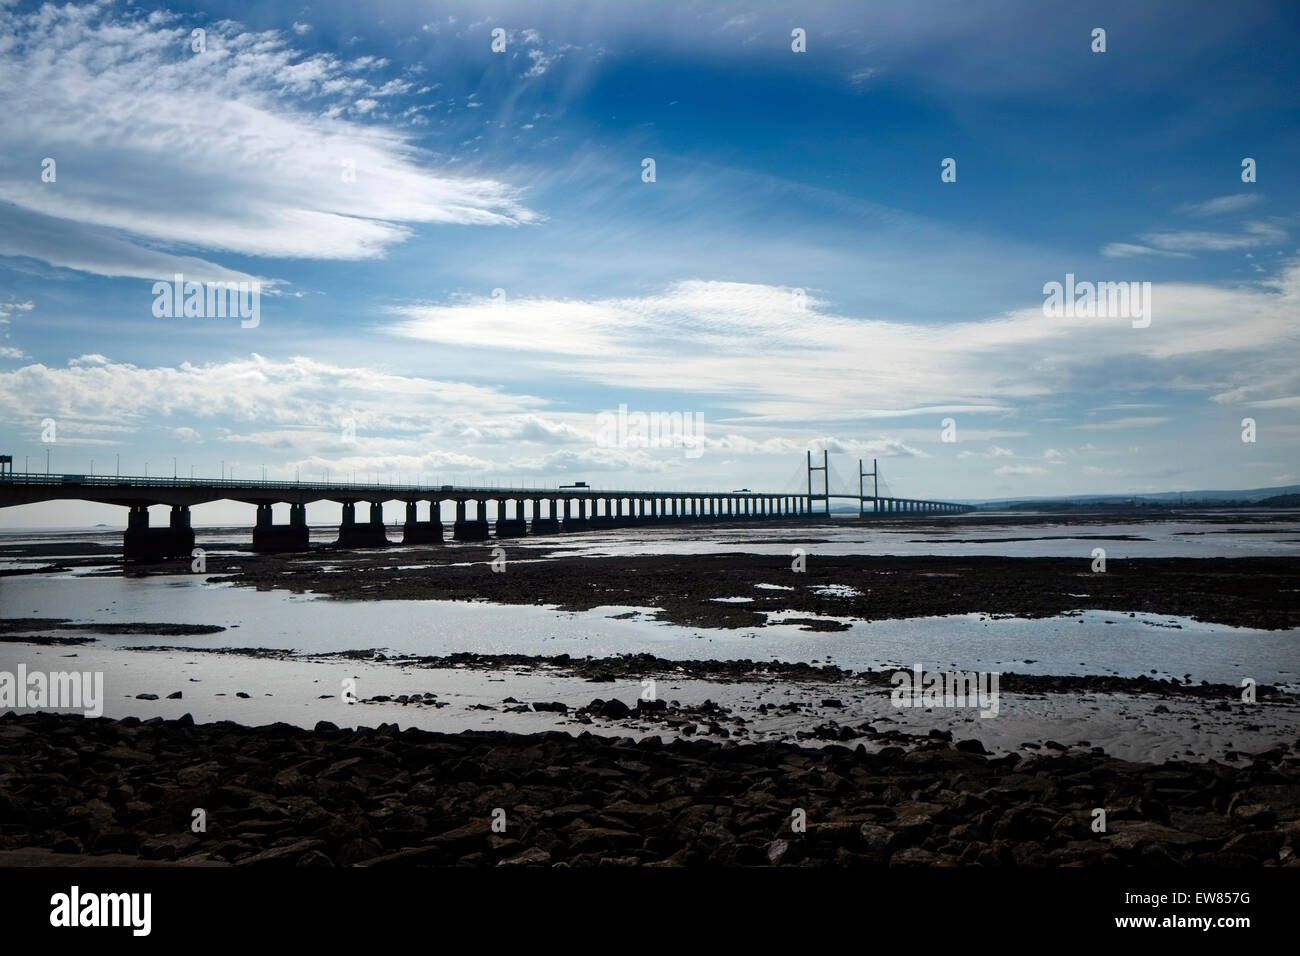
465 264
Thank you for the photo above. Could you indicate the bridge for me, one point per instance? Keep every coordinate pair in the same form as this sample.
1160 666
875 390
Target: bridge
515 511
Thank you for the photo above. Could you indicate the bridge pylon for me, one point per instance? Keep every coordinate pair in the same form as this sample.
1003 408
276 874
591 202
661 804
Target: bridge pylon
825 496
873 474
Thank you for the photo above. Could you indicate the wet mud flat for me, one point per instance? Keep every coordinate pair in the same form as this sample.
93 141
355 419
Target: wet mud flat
285 796
695 590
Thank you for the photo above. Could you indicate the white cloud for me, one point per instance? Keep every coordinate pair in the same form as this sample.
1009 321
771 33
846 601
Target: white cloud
541 62
1253 234
1221 204
1125 250
162 167
757 349
1122 423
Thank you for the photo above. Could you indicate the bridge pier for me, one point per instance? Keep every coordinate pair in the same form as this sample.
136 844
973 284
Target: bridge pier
599 520
357 534
548 525
575 515
516 527
415 531
269 538
471 529
624 518
142 543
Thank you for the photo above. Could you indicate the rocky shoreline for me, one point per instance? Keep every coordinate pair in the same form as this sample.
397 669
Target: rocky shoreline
285 796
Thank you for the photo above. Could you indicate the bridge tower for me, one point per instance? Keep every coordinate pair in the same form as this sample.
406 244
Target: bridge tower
825 496
873 474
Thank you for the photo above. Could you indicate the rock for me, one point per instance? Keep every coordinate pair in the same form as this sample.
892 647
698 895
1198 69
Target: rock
1261 844
175 695
587 839
534 856
1133 834
777 851
279 796
971 746
284 854
554 707
913 856
875 837
614 709
1254 815
913 819
1026 822
146 696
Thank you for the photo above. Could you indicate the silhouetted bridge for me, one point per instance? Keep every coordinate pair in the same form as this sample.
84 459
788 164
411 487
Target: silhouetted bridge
514 511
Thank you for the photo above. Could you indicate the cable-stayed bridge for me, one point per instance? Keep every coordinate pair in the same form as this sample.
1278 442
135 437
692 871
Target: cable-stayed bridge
477 512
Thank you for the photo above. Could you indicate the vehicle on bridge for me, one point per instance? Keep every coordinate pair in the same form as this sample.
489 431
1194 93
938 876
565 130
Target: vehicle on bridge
576 484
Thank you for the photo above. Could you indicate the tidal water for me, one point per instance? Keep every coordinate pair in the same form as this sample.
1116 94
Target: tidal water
1091 642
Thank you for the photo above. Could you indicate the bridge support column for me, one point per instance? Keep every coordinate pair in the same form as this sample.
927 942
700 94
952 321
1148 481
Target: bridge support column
415 531
356 534
545 525
599 520
471 529
515 527
142 543
575 518
269 538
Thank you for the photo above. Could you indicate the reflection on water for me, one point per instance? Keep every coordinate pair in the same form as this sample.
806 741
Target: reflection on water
1093 642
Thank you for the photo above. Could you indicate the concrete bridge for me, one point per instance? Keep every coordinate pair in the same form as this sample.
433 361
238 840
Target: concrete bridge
479 511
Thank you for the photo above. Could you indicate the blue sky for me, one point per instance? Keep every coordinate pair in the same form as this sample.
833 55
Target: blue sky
381 349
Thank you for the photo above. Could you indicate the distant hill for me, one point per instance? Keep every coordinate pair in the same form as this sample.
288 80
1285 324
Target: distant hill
1286 496
1279 501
